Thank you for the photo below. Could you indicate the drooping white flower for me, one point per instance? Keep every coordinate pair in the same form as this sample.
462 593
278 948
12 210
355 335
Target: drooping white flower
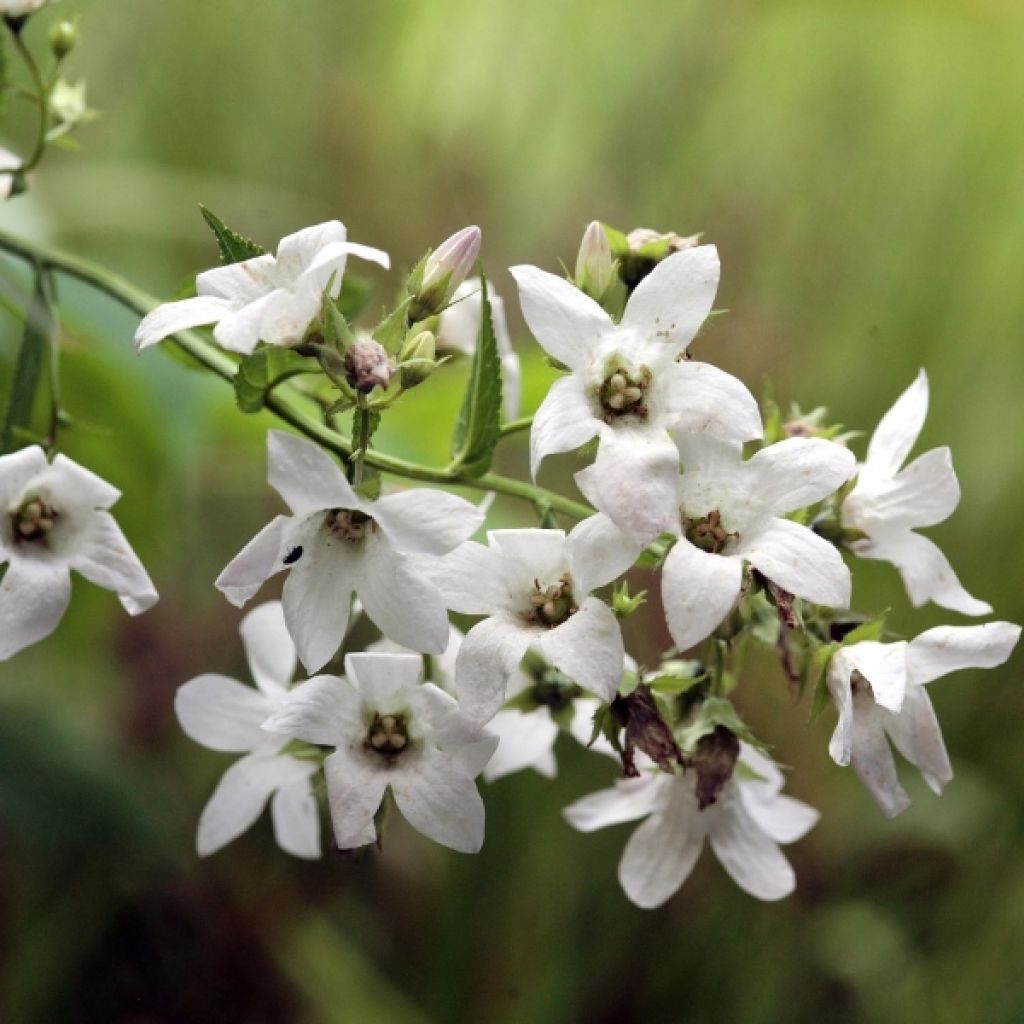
745 826
889 503
224 714
534 587
268 298
336 543
879 692
20 8
460 327
8 162
390 730
629 383
55 519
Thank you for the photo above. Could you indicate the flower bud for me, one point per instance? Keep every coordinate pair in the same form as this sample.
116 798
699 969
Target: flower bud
368 365
16 12
594 267
645 249
714 760
63 38
416 359
445 269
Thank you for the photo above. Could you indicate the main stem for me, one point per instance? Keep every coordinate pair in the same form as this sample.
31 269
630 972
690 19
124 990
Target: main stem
284 401
42 97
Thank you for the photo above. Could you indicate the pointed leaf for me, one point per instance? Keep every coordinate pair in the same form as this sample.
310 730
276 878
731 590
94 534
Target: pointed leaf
266 367
234 248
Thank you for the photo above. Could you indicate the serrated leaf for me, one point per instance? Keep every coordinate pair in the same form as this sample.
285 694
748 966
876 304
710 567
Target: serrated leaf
260 372
28 368
872 630
234 248
479 423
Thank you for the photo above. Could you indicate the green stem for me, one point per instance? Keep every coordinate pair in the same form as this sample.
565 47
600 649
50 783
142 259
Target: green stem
515 426
42 97
288 404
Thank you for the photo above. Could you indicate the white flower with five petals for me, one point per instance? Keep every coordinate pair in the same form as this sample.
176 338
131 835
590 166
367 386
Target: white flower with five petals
337 543
630 383
390 730
879 692
268 298
745 826
55 519
889 503
224 714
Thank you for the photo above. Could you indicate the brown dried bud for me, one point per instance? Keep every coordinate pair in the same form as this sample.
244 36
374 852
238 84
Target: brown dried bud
714 761
645 730
368 365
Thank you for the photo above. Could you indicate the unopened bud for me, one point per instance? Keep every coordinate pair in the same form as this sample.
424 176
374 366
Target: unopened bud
714 761
368 365
645 730
422 345
646 249
63 38
595 270
446 268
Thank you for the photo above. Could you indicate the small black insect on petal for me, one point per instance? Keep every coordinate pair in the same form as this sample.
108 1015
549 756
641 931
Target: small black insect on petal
293 556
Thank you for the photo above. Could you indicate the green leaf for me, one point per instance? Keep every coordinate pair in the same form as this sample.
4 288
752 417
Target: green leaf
354 295
35 343
713 712
391 331
872 630
234 248
479 423
266 367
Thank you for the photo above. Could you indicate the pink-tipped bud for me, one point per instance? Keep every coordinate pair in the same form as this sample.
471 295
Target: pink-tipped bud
446 268
595 270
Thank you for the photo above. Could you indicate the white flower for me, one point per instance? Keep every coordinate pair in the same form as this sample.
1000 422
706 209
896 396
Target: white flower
224 714
460 327
336 543
888 503
19 8
268 298
745 826
534 587
629 383
55 519
8 162
879 693
391 730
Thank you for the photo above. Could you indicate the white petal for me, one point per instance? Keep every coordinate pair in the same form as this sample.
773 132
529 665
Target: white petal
926 571
400 600
295 252
702 399
324 710
528 555
286 317
840 746
296 818
369 253
873 761
798 472
239 283
568 324
33 598
17 470
588 648
916 735
222 713
698 590
564 421
636 478
384 680
884 666
241 330
749 854
425 521
946 649
75 485
105 557
675 298
661 853
525 741
781 818
306 477
437 799
470 578
799 561
599 552
897 431
240 797
354 792
628 800
490 654
172 317
450 730
268 648
260 559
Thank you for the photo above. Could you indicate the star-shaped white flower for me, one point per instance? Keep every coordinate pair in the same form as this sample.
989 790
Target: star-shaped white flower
745 826
336 543
879 692
535 587
889 503
460 326
55 519
224 714
268 298
390 730
630 383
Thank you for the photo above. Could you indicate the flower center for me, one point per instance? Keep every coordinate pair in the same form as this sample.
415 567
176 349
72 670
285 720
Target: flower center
552 604
350 524
624 393
708 534
34 520
388 735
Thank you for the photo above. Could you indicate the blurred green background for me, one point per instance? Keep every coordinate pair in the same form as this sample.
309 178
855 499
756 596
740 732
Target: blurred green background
860 166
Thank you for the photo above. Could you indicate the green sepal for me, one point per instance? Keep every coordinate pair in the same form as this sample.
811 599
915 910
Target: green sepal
234 248
338 333
391 331
479 424
369 486
818 670
872 630
259 372
713 712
